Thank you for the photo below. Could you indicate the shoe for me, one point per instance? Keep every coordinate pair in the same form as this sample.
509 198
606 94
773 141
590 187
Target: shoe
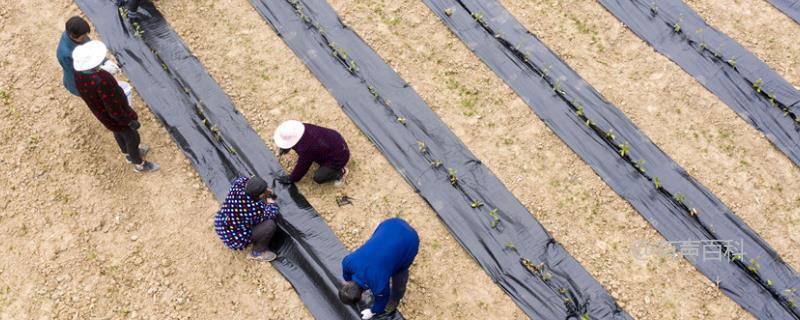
265 256
339 182
143 149
147 166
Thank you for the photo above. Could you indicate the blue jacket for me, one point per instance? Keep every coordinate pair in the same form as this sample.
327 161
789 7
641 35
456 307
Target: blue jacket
64 55
390 250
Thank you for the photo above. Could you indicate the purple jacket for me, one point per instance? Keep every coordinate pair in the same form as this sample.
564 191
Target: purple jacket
321 145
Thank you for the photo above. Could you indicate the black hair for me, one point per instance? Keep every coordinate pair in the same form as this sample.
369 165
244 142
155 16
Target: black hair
350 292
77 27
255 186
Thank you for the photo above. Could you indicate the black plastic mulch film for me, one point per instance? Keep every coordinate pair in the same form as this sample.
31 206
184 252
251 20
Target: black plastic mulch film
790 8
675 204
493 226
746 84
221 145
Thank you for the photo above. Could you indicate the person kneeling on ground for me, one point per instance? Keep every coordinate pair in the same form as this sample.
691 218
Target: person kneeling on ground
109 102
248 216
386 255
313 144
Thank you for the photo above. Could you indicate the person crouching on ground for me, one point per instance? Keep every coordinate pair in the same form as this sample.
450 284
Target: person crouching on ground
248 216
386 255
313 144
109 103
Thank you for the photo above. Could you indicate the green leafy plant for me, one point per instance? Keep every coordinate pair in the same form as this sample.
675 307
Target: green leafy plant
754 266
510 245
232 150
451 173
476 204
422 147
624 149
580 111
769 283
495 218
657 182
588 123
757 85
680 197
557 86
585 316
676 27
640 165
732 62
373 91
610 134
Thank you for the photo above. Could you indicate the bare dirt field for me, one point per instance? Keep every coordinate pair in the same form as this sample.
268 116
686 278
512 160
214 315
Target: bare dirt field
84 237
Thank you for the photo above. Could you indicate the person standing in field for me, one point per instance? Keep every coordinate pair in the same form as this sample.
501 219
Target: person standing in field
109 103
248 216
313 144
385 257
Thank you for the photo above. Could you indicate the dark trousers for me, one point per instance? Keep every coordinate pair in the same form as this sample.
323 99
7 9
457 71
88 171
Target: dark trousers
399 282
327 174
262 234
128 141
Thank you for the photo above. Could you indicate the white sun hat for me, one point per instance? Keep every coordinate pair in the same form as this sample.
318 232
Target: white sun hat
289 133
89 55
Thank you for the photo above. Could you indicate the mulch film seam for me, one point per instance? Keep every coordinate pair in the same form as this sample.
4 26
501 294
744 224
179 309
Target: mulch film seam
493 226
675 204
221 146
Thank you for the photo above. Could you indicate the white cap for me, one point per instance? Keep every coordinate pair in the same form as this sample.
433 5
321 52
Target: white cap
289 133
89 55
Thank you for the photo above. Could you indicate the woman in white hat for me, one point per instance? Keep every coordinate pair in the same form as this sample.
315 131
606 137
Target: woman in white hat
313 144
108 102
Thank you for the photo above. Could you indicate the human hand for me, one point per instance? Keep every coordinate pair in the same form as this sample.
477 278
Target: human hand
110 66
367 314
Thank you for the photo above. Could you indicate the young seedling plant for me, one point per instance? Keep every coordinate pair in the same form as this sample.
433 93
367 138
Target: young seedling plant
451 173
476 204
495 218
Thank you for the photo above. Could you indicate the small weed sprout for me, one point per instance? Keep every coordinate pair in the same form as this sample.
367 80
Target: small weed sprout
476 204
451 173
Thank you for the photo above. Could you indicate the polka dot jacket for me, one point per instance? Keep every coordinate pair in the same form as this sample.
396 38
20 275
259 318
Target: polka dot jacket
239 214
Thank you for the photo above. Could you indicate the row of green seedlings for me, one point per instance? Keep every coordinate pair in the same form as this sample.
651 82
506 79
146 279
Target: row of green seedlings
574 307
137 29
574 310
199 108
623 150
348 63
787 295
719 57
